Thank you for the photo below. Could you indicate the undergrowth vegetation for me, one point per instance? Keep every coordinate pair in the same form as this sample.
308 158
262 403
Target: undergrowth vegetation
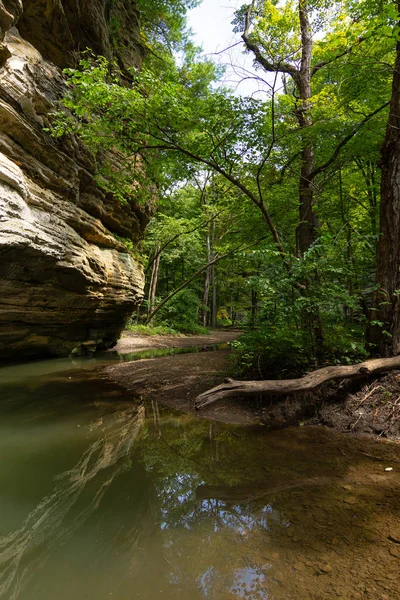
149 330
284 351
182 313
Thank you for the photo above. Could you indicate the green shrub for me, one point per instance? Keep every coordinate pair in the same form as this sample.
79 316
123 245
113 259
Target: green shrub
181 313
271 352
345 345
152 330
284 351
223 319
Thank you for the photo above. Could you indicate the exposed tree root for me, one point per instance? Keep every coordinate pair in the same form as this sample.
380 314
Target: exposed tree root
238 389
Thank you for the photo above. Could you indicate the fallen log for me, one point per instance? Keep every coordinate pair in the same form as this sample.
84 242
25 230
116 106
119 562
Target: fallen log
239 389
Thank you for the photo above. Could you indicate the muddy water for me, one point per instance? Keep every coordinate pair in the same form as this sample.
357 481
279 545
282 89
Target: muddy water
104 496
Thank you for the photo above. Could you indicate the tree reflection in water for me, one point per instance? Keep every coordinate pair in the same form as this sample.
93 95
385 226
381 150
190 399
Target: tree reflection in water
26 549
162 503
208 541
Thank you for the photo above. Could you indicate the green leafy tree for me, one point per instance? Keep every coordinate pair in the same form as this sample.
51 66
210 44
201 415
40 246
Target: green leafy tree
308 148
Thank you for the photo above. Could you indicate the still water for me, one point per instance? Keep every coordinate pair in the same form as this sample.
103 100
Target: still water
106 496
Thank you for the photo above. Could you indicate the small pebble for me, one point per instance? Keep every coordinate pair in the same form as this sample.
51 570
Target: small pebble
335 541
350 500
326 568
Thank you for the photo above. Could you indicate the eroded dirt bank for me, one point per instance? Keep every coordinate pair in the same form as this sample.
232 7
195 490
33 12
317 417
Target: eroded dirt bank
131 342
175 381
366 406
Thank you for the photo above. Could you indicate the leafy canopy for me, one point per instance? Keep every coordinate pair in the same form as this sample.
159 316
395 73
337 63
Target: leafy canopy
163 22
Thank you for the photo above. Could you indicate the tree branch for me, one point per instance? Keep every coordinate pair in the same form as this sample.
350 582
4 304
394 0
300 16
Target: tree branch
178 235
171 145
280 67
271 145
323 63
344 141
196 274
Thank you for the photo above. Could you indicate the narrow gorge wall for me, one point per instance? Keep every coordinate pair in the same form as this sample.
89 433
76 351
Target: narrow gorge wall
67 285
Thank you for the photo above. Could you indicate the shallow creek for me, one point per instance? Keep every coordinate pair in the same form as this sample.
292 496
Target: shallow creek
106 496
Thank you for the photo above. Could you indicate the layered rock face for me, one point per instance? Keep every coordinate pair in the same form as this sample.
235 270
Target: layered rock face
67 284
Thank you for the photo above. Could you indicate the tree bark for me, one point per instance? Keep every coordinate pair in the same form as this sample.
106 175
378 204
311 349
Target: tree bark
308 223
302 76
306 231
207 281
214 298
206 294
367 170
384 335
239 389
154 281
254 301
214 285
345 213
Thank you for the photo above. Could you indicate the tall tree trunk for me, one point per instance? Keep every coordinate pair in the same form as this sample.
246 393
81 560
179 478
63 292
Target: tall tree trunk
369 177
153 282
207 281
385 338
206 294
373 200
368 173
306 228
306 231
254 300
348 312
302 76
213 281
214 299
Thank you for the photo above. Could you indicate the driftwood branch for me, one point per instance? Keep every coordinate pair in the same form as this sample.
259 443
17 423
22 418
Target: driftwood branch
239 389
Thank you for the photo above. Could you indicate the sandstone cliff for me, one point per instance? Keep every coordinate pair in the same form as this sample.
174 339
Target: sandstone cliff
67 285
